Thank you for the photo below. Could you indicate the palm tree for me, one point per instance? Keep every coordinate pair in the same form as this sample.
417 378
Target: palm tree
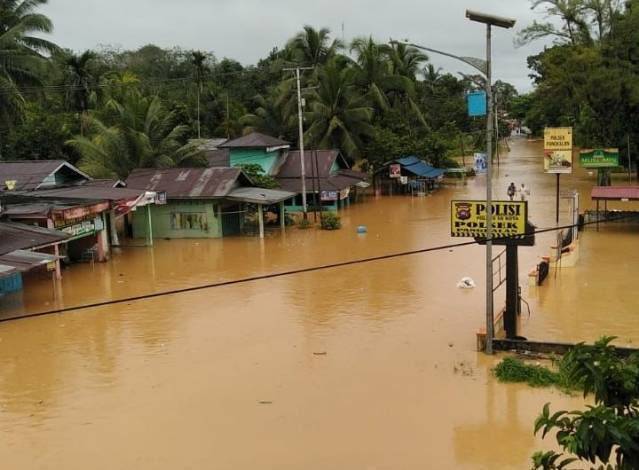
22 54
268 118
197 60
339 117
142 134
314 47
406 60
80 81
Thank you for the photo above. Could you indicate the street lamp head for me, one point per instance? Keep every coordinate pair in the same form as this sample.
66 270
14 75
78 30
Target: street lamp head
490 19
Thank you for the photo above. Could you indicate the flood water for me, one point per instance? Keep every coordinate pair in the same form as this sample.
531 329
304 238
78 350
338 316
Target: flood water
369 366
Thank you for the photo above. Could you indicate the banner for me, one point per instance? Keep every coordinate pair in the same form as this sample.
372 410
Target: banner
599 158
395 170
558 150
468 218
481 163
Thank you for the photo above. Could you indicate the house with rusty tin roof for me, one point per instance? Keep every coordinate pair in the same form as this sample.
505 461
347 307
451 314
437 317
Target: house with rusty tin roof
200 202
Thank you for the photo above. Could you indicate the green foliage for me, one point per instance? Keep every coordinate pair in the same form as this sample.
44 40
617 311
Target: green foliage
257 176
608 431
304 224
330 221
515 370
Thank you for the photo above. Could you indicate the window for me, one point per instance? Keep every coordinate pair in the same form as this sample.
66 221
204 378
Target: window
189 221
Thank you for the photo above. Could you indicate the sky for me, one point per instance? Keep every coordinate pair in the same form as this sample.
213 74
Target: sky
246 30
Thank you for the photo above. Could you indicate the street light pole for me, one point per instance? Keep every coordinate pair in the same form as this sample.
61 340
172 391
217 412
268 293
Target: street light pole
490 322
489 21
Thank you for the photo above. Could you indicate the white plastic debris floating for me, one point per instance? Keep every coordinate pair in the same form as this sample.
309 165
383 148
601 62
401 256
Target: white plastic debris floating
466 283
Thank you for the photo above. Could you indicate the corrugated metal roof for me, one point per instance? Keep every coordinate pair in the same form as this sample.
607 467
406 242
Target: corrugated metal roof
15 236
90 192
417 167
218 157
26 260
259 195
615 193
292 166
208 144
29 174
335 182
105 183
187 183
254 140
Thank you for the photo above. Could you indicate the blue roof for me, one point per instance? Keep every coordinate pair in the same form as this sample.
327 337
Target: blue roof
419 167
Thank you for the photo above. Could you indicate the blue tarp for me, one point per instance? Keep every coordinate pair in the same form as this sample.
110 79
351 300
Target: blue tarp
419 167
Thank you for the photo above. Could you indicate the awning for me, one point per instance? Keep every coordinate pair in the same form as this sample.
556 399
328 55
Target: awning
615 193
259 195
26 260
15 236
418 167
7 270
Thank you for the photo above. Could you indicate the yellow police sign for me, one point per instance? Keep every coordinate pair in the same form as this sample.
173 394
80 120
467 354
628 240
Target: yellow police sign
468 218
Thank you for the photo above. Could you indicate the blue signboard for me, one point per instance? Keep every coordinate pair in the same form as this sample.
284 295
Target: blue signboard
476 103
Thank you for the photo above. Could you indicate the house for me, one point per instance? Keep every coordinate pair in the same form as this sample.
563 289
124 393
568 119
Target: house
201 202
255 148
29 175
327 178
18 245
54 194
407 175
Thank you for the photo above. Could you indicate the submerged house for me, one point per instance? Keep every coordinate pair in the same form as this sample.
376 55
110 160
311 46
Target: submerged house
53 194
200 202
328 178
407 175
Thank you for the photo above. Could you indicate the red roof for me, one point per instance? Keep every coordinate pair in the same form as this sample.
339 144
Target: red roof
615 193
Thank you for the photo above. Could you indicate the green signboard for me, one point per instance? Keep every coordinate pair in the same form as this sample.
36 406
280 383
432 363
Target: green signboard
599 158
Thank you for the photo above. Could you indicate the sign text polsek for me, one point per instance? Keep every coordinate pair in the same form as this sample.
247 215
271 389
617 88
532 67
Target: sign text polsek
468 218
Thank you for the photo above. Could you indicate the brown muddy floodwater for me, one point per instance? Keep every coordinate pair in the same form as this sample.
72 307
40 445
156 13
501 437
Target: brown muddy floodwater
368 366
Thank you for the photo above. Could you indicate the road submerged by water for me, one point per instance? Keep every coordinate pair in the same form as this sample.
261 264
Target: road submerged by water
367 366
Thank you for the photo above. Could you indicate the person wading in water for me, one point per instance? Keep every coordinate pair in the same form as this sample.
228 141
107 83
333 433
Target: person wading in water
511 191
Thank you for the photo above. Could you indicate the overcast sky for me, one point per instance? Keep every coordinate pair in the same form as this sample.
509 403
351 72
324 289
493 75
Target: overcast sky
247 30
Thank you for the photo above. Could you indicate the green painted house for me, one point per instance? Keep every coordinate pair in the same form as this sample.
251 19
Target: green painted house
328 178
200 202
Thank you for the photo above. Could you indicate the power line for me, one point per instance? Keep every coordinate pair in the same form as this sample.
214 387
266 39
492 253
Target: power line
295 271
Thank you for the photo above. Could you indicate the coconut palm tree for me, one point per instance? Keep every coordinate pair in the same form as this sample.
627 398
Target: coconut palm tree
314 47
339 117
80 82
22 52
198 60
137 132
406 60
269 118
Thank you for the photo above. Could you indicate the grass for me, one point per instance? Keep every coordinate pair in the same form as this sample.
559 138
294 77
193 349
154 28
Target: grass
514 370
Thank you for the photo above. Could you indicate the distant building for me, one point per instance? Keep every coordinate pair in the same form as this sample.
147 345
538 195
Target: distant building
407 175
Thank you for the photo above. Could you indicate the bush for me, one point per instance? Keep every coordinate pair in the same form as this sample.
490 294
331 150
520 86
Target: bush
331 221
304 224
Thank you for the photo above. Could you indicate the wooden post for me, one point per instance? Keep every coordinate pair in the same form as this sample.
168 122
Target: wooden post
512 291
149 232
260 217
557 201
282 216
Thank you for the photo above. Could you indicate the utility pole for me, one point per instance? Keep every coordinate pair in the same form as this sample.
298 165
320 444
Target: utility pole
300 118
489 21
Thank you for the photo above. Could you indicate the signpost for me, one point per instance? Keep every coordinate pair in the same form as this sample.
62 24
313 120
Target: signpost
599 158
510 227
558 155
468 218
